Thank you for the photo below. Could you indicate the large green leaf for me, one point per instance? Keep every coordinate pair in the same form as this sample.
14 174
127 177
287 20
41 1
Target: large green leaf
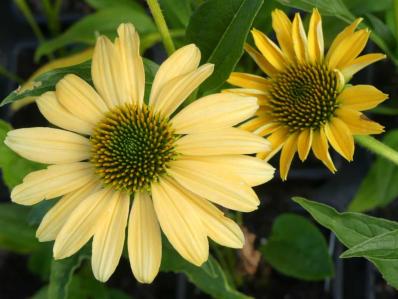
104 21
62 272
47 81
100 4
210 278
13 167
177 12
353 229
220 31
360 7
297 248
379 187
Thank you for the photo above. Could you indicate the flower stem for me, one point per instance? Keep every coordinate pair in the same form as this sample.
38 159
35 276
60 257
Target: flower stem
157 14
24 8
378 148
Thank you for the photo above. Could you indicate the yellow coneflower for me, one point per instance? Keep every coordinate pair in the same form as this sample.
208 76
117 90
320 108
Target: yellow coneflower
304 101
113 149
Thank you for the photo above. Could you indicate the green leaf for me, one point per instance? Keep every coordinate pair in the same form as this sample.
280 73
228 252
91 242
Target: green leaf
298 249
13 167
15 234
100 4
379 186
104 21
47 81
220 32
177 12
355 228
62 272
360 7
210 278
383 246
40 260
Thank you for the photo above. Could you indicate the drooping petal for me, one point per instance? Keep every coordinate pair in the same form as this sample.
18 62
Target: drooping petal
288 151
276 139
320 148
315 38
52 182
183 61
131 77
221 142
48 145
105 71
82 224
340 137
260 60
175 91
304 143
212 112
58 115
109 236
269 49
144 239
219 228
361 97
359 63
249 81
262 96
255 123
179 222
283 30
218 185
56 217
80 99
358 123
299 39
252 170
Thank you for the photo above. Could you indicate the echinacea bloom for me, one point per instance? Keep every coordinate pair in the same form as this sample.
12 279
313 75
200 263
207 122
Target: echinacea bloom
113 149
305 102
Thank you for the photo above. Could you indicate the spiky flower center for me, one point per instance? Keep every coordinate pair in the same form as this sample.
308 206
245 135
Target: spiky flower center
304 96
131 147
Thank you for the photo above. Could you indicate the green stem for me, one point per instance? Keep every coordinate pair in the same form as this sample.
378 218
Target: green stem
51 12
157 14
395 6
24 8
377 147
9 75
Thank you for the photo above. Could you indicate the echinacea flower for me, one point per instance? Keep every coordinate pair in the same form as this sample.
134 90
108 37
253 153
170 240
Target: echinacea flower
113 149
305 102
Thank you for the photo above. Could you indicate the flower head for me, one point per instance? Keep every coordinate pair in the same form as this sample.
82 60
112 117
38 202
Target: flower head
305 102
113 148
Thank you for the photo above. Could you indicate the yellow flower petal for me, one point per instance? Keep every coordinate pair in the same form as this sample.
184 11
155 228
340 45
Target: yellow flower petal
175 91
228 141
262 96
358 123
183 61
179 222
80 99
283 30
348 49
109 236
255 123
249 81
304 143
131 77
56 217
144 239
359 63
269 49
252 170
288 151
340 137
219 228
267 129
217 111
260 60
299 39
58 115
52 182
276 139
105 71
320 148
315 38
220 186
361 97
49 146
82 224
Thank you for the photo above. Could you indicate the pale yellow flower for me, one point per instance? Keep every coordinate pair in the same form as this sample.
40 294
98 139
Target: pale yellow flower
304 102
113 149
